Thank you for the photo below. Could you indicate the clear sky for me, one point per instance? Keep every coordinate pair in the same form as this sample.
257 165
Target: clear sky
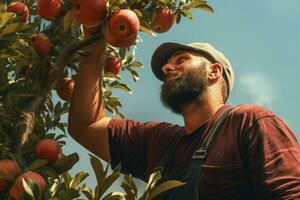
261 40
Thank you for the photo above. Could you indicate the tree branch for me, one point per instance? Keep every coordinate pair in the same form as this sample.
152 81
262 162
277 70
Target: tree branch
27 114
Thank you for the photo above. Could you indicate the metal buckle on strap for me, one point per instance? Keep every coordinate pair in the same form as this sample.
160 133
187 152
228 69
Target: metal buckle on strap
160 169
200 154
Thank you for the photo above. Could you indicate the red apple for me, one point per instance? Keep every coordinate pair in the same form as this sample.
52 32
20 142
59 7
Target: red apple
113 64
121 42
17 189
48 150
123 28
25 69
89 13
64 88
49 9
41 43
19 8
8 171
162 20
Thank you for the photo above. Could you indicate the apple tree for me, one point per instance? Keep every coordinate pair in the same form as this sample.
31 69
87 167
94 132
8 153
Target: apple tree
40 46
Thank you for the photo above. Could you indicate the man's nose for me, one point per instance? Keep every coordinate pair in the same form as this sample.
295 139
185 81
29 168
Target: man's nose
167 68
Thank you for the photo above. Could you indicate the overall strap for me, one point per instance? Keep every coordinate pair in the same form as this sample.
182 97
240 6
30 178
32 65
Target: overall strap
168 154
201 153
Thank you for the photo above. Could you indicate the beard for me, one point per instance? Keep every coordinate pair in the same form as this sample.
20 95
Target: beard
187 88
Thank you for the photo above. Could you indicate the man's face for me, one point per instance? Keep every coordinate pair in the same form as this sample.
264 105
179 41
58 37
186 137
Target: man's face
185 80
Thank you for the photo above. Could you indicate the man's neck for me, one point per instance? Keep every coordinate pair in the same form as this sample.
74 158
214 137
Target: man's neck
195 114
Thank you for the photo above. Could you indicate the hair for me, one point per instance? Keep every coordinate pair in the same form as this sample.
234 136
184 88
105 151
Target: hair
224 90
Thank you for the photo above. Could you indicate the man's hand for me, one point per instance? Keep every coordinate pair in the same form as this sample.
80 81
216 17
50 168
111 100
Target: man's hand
96 52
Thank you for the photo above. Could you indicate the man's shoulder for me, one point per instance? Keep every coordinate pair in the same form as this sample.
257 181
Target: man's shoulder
250 111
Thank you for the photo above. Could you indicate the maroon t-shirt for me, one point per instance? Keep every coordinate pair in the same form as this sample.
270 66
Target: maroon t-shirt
254 156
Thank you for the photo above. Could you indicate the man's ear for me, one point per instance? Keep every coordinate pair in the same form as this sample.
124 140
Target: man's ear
215 72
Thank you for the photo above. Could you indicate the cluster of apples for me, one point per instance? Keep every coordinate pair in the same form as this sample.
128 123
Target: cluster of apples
11 178
123 25
123 28
64 86
48 10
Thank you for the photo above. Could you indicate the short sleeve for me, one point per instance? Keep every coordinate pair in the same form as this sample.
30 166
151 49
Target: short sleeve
274 159
130 142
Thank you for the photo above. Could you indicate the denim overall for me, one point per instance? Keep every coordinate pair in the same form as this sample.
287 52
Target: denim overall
189 174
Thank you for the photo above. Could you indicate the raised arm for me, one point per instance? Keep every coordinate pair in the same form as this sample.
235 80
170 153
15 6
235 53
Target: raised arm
87 121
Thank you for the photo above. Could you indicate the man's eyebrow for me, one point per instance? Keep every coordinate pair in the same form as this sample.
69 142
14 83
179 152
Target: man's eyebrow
176 54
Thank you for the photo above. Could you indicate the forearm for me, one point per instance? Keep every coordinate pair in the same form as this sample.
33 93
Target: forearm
87 104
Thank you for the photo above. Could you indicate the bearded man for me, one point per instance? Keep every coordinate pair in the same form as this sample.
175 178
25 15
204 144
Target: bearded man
221 152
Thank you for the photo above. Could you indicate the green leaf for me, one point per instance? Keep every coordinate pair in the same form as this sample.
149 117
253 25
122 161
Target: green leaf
67 178
3 7
5 17
108 182
50 135
48 172
194 4
154 177
134 74
122 53
79 177
98 169
206 8
62 127
57 108
138 13
122 86
36 164
15 27
115 196
67 21
27 188
178 17
164 187
148 31
187 14
60 137
129 187
88 193
136 64
69 193
129 58
54 187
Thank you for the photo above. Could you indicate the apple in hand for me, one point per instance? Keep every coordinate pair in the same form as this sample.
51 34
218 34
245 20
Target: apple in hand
17 189
19 8
89 13
49 9
41 43
8 171
162 20
64 88
123 28
48 150
113 64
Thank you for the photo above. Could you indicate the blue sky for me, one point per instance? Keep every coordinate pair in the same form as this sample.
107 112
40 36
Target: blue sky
260 38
